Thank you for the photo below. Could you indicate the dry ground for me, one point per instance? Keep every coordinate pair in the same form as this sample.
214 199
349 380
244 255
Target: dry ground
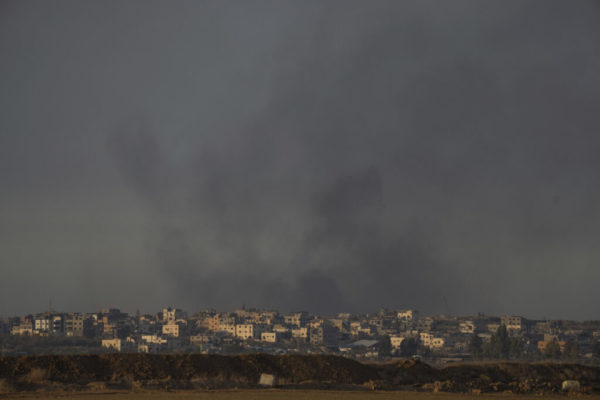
286 395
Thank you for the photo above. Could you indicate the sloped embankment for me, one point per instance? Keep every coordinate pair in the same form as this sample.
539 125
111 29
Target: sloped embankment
195 371
186 371
491 377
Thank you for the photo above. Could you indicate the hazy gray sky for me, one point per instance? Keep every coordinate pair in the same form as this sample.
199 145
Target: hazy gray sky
319 155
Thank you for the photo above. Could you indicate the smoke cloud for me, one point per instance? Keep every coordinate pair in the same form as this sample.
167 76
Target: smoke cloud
329 157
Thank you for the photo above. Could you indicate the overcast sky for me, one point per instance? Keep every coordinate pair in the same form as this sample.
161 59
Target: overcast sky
320 155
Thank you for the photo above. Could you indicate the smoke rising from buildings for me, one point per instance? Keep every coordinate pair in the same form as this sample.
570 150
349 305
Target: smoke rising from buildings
301 155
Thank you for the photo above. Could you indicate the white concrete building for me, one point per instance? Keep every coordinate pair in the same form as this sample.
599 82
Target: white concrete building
42 324
466 327
171 329
437 343
513 322
112 344
407 315
425 338
244 331
269 337
396 342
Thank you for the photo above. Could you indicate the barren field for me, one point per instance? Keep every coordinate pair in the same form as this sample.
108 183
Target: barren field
198 376
285 394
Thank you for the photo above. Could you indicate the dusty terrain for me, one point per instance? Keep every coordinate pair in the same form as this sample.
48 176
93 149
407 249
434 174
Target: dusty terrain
271 394
146 373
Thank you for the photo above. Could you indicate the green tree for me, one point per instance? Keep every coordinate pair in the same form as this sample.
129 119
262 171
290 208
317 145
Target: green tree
596 349
552 350
498 347
476 347
516 348
384 347
531 351
409 347
571 350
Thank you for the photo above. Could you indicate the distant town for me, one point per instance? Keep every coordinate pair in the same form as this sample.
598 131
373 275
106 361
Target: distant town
382 335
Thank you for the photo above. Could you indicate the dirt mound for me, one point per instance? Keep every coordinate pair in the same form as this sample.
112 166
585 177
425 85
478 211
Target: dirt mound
517 377
409 372
195 371
490 377
180 371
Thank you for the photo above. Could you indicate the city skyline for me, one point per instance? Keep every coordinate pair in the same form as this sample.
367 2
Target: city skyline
446 313
380 335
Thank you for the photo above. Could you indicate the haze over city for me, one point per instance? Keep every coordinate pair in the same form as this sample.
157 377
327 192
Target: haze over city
331 157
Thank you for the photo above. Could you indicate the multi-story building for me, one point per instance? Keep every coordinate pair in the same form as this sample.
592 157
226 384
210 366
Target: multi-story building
155 343
269 318
200 339
425 324
150 347
339 323
407 315
513 322
112 344
78 325
467 327
249 331
298 319
437 343
22 328
396 342
172 329
269 337
43 323
244 331
300 333
492 327
172 314
58 325
111 315
216 322
315 323
425 338
227 328
323 334
360 329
